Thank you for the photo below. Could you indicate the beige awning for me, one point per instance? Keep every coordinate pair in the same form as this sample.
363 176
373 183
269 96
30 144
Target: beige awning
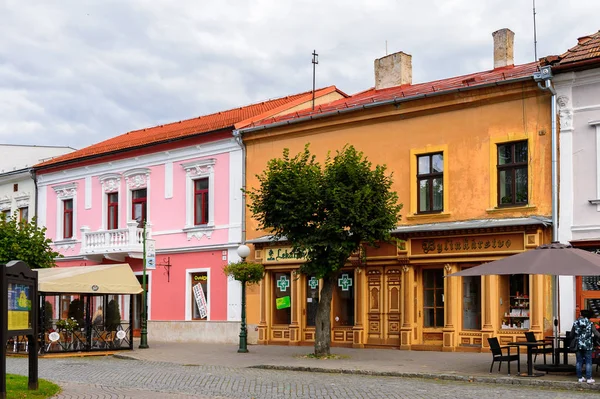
101 279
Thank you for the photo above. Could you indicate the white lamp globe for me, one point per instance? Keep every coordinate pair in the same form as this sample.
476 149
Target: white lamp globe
243 251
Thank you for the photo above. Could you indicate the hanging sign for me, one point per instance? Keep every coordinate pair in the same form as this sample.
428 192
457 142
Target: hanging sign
200 301
283 302
150 254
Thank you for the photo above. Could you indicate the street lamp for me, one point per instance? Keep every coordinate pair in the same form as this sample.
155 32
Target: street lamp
243 251
144 332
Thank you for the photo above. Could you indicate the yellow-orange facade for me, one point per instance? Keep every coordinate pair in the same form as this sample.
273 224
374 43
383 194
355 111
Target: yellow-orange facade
400 297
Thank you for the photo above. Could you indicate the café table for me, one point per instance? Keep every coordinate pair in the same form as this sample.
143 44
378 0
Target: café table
530 346
558 367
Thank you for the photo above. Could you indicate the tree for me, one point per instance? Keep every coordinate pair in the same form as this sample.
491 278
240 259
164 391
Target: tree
25 241
326 213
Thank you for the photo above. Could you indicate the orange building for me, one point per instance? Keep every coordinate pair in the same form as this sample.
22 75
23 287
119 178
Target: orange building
471 163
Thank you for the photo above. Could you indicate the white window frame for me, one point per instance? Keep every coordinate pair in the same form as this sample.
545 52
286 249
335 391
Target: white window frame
188 293
65 192
137 179
111 183
22 201
194 170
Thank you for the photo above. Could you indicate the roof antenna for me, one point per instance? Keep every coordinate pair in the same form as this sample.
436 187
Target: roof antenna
534 34
315 61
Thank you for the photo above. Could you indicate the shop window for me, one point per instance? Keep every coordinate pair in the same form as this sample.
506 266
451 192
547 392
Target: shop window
199 284
433 298
68 218
112 211
200 201
312 300
139 206
472 303
512 174
282 310
516 310
430 181
343 309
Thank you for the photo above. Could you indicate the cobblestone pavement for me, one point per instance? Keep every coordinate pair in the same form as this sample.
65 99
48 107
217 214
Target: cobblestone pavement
124 379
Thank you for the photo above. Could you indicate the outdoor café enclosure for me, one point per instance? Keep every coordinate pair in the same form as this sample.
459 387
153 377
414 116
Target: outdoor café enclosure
86 308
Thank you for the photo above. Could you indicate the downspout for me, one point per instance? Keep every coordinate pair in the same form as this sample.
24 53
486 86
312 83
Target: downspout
545 75
238 139
35 191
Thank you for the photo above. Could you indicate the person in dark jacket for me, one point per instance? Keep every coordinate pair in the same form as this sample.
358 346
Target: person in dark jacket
583 333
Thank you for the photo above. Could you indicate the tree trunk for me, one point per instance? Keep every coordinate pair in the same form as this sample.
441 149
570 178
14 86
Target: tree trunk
323 319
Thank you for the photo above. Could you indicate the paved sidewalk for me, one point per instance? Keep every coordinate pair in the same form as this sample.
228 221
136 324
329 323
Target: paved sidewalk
442 365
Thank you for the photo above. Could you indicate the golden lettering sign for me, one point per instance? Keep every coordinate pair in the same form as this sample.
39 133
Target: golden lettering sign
467 244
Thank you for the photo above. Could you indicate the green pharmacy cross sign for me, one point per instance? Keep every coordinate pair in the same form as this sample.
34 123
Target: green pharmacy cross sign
345 282
283 283
313 283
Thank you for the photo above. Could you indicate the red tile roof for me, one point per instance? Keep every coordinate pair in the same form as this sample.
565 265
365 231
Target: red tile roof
587 48
233 118
373 96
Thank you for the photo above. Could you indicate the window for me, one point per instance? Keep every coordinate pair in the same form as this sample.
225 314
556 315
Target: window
312 300
24 214
343 303
430 183
200 201
199 296
282 310
472 303
512 174
112 211
15 187
6 214
68 218
433 298
138 206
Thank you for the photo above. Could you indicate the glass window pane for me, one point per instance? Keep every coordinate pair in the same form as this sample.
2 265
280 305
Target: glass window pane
438 194
68 204
428 319
521 152
439 297
521 184
112 217
424 196
428 279
504 154
281 299
590 283
139 194
312 300
201 279
198 209
439 317
113 198
505 183
438 163
201 184
137 212
471 303
205 207
428 298
424 167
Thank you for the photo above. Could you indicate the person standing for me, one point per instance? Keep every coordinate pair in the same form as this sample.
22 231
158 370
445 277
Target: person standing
583 333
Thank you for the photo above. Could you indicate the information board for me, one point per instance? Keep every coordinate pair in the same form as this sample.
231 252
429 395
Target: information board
19 306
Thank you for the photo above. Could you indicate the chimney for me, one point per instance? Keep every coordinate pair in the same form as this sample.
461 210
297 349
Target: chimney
393 70
503 47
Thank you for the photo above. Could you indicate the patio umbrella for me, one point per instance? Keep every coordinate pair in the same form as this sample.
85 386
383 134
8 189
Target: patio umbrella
555 259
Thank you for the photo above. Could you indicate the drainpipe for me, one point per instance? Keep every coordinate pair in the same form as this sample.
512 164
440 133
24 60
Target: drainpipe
35 191
545 75
238 139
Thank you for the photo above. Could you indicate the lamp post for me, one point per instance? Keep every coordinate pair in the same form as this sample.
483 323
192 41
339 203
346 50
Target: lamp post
144 333
243 251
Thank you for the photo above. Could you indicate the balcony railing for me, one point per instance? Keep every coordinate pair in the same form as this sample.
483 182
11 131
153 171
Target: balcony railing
116 241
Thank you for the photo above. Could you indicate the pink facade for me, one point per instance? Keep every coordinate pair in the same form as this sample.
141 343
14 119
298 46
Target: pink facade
196 252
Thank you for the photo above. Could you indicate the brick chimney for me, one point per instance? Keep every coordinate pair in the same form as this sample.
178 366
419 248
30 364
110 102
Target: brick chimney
393 70
503 47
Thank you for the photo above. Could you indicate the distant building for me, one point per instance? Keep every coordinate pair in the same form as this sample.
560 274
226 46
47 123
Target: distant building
17 184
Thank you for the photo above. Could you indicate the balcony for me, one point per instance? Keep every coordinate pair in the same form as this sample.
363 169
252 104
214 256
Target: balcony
113 244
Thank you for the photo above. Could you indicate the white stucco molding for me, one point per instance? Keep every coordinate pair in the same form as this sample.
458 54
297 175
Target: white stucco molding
137 178
22 200
65 192
5 203
111 182
204 168
565 112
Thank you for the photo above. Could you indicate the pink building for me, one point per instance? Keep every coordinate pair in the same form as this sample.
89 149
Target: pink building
184 180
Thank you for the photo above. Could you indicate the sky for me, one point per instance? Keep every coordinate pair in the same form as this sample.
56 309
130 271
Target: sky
76 72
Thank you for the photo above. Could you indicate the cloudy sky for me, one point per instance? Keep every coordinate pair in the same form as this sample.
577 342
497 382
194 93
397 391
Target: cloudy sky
75 72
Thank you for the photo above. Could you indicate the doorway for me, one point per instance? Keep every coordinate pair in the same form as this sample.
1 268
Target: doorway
383 306
431 316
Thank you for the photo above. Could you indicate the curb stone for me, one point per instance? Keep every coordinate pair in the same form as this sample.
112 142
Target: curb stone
565 385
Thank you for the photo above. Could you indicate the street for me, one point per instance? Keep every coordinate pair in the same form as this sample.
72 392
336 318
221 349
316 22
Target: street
106 377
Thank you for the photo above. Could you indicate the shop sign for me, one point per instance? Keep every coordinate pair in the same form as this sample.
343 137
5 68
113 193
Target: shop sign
345 282
281 254
283 283
200 300
467 244
283 302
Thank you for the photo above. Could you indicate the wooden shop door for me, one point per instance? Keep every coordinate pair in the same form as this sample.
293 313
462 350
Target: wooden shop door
383 305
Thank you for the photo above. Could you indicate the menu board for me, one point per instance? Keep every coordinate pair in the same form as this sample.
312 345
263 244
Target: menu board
19 306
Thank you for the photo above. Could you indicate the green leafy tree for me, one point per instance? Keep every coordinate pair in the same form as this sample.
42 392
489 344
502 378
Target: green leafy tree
25 241
326 213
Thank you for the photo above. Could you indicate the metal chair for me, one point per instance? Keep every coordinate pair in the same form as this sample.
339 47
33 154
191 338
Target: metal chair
546 346
499 356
